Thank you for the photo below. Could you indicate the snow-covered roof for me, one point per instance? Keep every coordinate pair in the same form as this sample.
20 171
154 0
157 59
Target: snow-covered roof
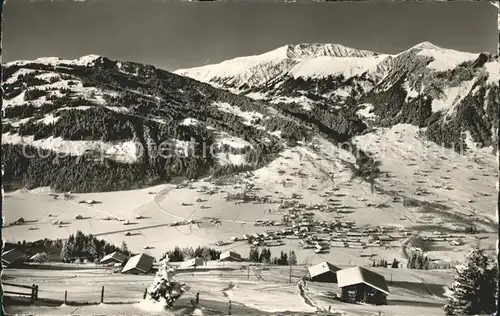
230 254
116 256
322 268
12 256
141 262
357 275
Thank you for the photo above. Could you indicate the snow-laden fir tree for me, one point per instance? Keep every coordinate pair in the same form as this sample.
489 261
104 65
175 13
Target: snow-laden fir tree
165 289
474 288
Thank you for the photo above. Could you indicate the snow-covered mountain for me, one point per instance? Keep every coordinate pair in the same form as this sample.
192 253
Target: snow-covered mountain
253 71
447 91
97 124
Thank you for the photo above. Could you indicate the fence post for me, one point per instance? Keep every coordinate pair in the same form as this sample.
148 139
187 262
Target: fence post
145 293
36 292
65 297
102 294
33 292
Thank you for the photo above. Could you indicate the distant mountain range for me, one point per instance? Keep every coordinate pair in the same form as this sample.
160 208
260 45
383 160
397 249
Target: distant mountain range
446 91
97 123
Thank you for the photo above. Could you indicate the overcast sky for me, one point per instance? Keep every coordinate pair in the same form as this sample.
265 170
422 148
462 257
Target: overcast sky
180 35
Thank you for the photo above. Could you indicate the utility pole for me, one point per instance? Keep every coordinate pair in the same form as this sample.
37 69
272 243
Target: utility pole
290 278
248 274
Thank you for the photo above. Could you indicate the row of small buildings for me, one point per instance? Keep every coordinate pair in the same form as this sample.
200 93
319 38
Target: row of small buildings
357 284
143 263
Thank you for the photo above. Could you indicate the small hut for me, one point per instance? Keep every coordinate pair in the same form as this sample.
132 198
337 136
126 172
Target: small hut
138 264
192 263
323 272
114 257
230 256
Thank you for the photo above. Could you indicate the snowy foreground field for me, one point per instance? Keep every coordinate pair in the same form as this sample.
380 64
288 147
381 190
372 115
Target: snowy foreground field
460 190
258 290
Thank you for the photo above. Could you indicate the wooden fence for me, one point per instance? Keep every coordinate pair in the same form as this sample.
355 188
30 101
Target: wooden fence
33 294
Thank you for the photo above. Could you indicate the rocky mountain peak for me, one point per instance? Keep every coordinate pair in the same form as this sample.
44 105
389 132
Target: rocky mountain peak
313 50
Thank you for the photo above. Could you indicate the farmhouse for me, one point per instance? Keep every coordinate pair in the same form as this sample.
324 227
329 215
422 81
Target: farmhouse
194 262
114 257
323 272
361 285
141 263
13 257
230 256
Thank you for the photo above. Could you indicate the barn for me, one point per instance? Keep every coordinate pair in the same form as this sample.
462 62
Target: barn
13 257
358 284
141 263
114 257
323 272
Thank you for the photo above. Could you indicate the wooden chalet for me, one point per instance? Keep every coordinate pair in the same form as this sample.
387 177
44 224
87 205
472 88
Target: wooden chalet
358 284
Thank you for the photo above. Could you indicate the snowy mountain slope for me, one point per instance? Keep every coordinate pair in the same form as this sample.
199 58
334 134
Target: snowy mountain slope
98 110
448 91
135 119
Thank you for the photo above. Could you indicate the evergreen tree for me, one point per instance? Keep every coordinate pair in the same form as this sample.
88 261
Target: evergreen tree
205 254
92 249
124 247
395 264
65 252
188 253
292 258
474 289
254 255
283 260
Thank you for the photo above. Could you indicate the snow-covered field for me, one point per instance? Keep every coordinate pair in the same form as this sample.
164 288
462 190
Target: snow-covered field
256 288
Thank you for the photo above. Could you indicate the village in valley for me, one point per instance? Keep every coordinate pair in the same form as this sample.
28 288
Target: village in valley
256 235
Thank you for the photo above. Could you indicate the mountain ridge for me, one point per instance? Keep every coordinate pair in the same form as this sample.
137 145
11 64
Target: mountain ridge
103 113
428 85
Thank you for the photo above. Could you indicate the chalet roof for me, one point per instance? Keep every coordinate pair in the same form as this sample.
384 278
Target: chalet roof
12 256
357 275
385 238
141 262
192 262
117 256
322 268
230 254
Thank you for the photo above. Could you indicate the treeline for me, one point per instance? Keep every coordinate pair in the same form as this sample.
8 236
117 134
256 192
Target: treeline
265 256
418 260
384 264
31 167
81 246
336 124
182 254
